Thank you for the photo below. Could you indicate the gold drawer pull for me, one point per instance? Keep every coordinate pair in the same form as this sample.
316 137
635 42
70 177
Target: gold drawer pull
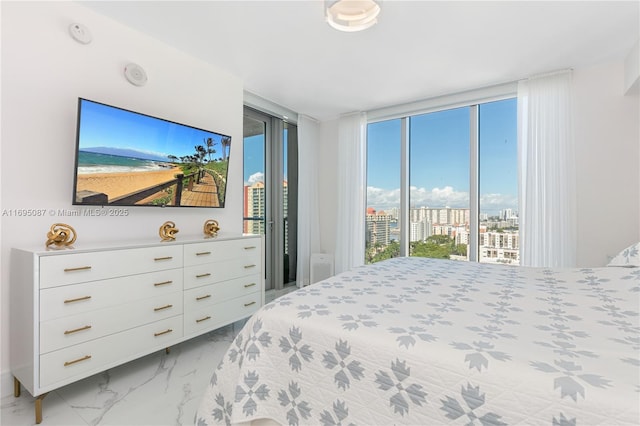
162 307
81 268
203 319
157 259
79 299
250 247
249 285
163 283
86 327
203 297
163 332
84 358
249 304
203 275
203 253
249 266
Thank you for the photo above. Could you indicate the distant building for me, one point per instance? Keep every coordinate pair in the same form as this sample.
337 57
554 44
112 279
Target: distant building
494 247
506 214
378 227
499 247
462 235
394 212
420 230
254 206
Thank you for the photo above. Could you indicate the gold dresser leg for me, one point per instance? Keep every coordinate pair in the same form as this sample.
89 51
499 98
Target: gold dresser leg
38 408
167 350
16 387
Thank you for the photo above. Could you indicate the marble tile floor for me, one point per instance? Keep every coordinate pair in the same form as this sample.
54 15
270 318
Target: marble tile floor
158 389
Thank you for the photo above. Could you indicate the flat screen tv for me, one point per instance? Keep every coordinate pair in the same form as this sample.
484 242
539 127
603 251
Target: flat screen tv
125 158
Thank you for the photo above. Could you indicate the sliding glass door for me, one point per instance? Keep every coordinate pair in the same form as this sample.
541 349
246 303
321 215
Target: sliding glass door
270 192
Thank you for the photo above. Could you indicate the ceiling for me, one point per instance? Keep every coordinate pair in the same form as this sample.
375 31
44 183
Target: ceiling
284 51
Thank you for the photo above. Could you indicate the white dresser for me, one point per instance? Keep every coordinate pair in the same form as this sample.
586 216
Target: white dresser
77 312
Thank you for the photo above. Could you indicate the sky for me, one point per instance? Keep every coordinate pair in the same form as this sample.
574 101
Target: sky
439 165
254 158
439 159
105 126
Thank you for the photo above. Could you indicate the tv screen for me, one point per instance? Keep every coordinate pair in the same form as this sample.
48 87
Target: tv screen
126 158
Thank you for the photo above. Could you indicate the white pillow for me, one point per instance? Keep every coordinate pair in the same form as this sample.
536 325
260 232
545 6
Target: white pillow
630 257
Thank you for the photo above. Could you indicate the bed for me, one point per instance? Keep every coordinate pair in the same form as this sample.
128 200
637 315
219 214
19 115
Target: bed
426 342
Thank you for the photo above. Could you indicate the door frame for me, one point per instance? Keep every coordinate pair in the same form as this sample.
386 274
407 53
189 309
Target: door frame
274 219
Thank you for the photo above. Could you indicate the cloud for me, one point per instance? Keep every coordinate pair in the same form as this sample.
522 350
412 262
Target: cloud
384 199
256 177
497 202
439 197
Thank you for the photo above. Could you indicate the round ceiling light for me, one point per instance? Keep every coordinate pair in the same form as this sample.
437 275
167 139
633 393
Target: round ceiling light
352 15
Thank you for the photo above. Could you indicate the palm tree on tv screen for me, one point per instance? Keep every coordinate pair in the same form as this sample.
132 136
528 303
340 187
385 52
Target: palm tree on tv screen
226 143
209 142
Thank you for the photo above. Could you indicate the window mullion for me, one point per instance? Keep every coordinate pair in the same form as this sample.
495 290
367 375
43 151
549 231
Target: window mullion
474 183
404 187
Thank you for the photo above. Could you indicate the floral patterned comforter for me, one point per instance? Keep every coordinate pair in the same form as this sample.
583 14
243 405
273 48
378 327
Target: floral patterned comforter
428 342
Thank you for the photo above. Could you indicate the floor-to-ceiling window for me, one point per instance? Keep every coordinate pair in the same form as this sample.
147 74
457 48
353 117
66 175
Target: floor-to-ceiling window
439 184
498 240
461 187
383 197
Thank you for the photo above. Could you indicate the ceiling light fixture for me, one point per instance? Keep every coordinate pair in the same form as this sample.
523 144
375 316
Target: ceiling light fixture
352 15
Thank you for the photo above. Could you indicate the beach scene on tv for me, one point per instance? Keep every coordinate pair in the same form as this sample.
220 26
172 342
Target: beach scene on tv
125 159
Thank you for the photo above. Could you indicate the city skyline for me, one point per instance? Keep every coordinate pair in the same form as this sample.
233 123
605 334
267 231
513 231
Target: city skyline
443 232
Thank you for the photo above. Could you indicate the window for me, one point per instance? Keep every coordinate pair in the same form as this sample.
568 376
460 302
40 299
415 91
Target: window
498 239
383 197
461 190
439 184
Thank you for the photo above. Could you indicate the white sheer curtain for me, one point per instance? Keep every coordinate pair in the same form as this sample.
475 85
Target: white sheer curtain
547 171
308 220
350 238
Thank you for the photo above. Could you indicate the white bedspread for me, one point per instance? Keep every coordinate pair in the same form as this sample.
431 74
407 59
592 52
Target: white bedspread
428 342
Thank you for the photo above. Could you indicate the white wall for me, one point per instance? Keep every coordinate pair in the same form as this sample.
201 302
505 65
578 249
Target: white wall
608 166
44 71
328 182
607 151
632 70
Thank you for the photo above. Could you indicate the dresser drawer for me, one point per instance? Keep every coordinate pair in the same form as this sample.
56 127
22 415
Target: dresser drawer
199 275
75 329
74 268
57 302
217 315
212 251
199 297
97 355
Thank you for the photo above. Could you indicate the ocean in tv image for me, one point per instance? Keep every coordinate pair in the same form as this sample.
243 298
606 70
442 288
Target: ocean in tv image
126 158
95 162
